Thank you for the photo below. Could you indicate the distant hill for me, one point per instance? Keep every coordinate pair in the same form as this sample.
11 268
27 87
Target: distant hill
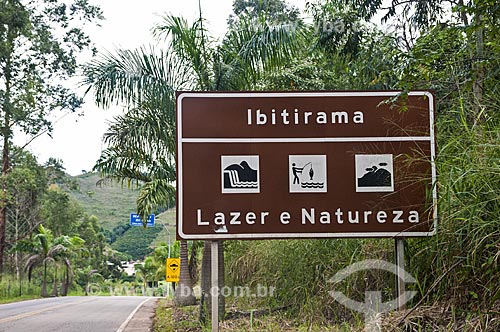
139 241
166 220
110 203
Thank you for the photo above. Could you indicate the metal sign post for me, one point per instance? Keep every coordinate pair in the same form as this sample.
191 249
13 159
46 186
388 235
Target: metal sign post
214 290
400 275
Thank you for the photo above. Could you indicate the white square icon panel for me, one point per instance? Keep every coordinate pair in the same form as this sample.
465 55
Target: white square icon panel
240 174
374 173
307 173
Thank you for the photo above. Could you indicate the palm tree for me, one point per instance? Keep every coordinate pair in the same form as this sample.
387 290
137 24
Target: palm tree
147 272
141 274
183 294
247 51
52 251
42 257
67 246
88 274
141 143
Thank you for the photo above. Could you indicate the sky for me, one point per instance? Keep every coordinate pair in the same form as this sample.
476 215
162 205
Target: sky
77 139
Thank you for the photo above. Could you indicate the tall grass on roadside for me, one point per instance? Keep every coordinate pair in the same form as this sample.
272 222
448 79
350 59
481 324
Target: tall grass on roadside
467 245
11 290
457 269
300 271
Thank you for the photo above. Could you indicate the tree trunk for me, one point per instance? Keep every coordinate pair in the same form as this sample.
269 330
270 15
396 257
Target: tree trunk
6 133
5 171
44 281
54 284
183 295
479 72
66 282
193 263
3 207
16 253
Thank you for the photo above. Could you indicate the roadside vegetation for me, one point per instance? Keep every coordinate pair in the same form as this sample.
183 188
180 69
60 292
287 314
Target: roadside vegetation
450 48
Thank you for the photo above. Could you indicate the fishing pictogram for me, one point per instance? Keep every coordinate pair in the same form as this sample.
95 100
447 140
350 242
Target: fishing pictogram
307 173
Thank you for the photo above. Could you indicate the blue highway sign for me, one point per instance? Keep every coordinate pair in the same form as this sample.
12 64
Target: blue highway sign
135 220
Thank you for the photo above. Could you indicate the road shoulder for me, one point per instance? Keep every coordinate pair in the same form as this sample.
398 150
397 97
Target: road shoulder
143 318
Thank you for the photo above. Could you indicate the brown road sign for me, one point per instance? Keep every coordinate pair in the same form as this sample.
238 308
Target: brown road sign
305 165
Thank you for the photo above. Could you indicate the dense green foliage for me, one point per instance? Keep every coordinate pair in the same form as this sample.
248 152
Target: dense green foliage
53 246
39 45
136 241
458 269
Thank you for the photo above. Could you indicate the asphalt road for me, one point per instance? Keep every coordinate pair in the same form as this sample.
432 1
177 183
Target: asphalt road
68 314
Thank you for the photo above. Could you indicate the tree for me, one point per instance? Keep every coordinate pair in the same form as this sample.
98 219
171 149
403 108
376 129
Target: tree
89 230
39 43
185 280
340 51
56 174
65 248
26 185
147 272
475 19
141 143
275 11
251 48
52 250
60 213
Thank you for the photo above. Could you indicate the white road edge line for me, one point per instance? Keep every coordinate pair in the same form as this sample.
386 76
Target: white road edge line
129 318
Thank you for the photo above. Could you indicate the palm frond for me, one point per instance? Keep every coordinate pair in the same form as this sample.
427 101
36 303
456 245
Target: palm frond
44 236
57 250
255 46
133 166
133 76
191 44
156 193
151 130
32 262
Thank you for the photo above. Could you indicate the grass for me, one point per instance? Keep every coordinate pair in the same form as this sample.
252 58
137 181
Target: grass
166 220
442 317
5 300
11 292
111 204
437 317
185 319
169 318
